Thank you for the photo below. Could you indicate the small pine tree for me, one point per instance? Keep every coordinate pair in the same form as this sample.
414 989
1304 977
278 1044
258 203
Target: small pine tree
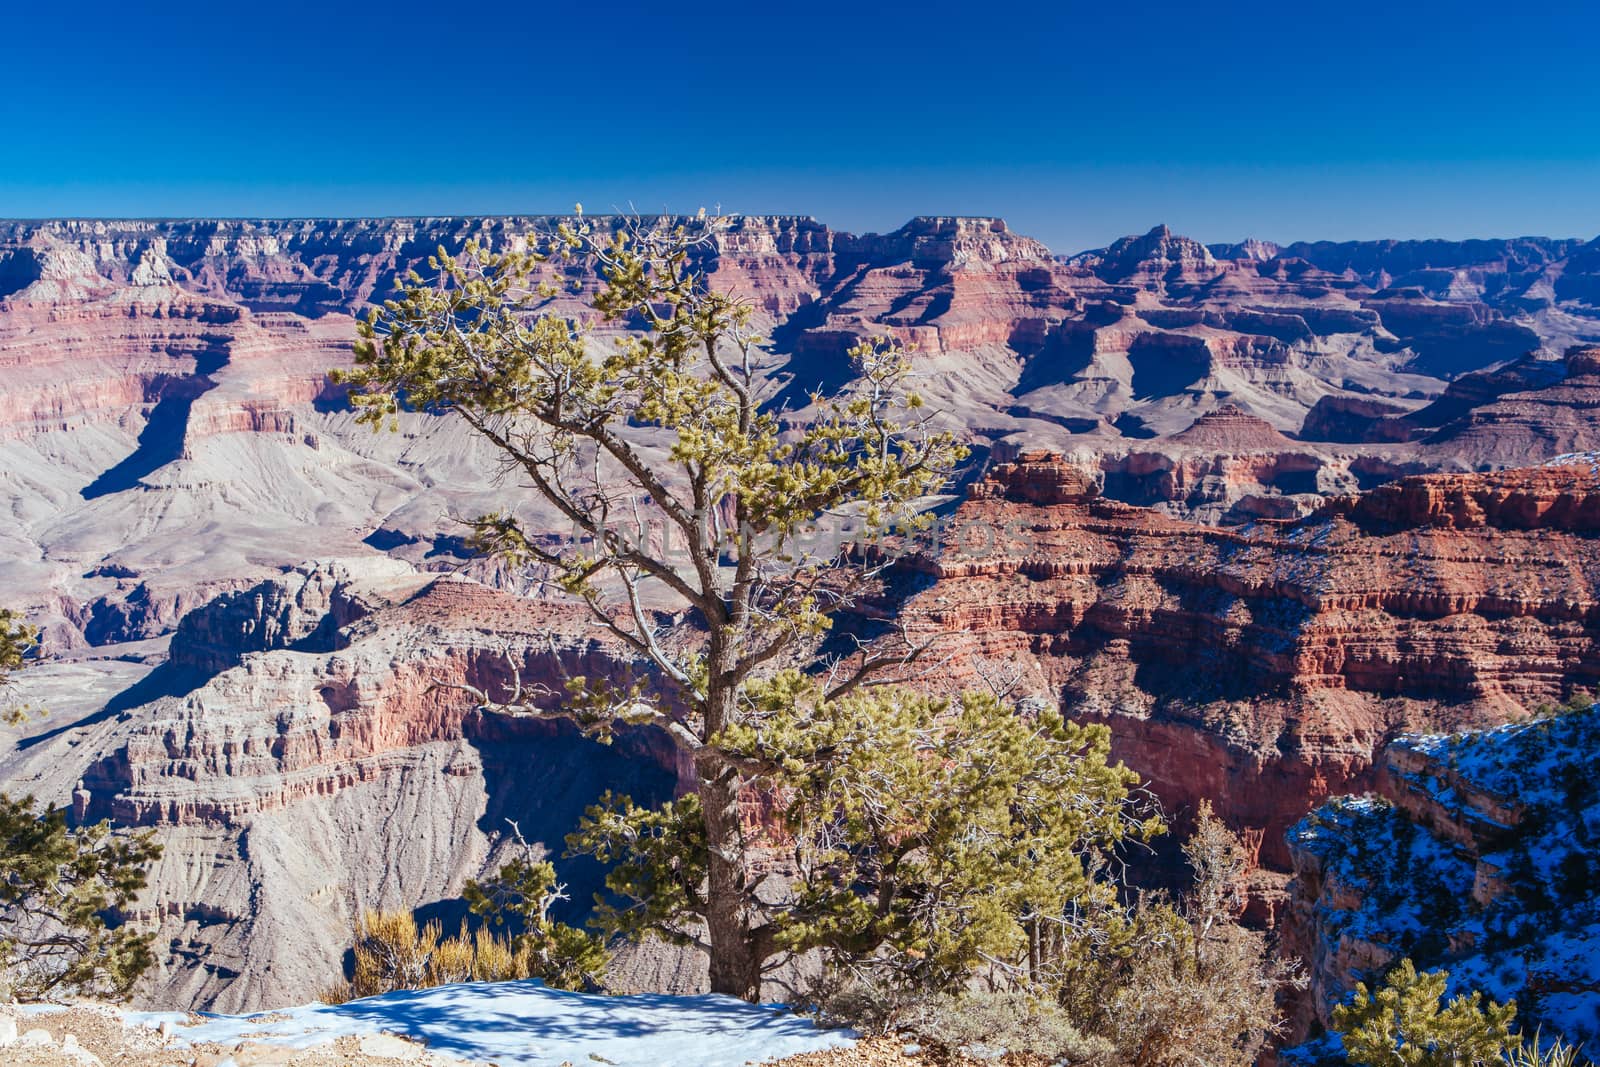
17 642
59 886
519 898
60 889
1407 1024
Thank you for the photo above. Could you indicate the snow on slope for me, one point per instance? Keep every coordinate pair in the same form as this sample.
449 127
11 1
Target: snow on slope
1485 863
525 1024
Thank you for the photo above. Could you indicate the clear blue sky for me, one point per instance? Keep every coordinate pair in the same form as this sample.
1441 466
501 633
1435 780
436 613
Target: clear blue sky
1077 122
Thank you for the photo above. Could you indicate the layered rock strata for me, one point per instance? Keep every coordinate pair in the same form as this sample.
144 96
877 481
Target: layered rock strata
1262 666
309 752
164 410
170 450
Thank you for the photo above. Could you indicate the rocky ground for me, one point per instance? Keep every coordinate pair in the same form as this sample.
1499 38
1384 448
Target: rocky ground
897 1052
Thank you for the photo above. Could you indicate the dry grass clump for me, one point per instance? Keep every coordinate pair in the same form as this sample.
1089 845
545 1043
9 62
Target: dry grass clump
392 952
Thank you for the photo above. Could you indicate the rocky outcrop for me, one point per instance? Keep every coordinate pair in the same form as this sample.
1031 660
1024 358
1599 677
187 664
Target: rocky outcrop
1558 498
1534 422
1262 666
309 752
1230 466
1159 260
1477 855
1230 429
303 610
1354 419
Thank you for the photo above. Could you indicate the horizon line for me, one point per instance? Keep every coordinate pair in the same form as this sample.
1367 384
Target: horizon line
512 216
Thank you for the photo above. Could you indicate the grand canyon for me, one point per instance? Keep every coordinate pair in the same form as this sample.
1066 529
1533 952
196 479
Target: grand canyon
1259 509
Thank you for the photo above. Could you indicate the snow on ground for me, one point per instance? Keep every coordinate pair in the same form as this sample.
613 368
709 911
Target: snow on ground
525 1024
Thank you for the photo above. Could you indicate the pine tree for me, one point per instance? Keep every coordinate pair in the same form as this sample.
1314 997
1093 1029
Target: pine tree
60 885
58 888
518 899
17 642
916 838
1406 1023
683 488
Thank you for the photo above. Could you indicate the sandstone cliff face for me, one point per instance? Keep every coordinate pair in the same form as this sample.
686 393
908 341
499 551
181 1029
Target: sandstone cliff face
1262 666
1232 467
1477 856
1533 422
306 755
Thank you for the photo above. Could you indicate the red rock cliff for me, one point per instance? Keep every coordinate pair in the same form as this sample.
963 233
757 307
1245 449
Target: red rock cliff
1263 665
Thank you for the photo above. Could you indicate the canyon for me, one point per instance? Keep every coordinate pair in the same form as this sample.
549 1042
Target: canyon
1259 509
306 752
166 409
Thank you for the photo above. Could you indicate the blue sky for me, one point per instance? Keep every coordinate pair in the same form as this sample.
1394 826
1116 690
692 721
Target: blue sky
1077 122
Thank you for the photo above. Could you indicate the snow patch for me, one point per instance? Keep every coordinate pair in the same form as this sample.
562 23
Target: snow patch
526 1024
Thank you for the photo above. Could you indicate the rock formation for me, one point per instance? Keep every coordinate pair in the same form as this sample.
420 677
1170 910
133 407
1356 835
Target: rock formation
165 410
1477 855
1262 666
306 750
1535 422
1268 543
307 753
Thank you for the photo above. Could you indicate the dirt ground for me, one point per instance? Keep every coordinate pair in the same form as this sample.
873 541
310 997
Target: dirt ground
895 1052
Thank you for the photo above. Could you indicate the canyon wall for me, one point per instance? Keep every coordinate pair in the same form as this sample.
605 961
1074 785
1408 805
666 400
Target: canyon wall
309 751
309 748
167 430
1263 665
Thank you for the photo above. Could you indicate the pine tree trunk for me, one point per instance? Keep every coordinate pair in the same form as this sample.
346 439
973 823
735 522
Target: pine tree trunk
730 913
735 956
